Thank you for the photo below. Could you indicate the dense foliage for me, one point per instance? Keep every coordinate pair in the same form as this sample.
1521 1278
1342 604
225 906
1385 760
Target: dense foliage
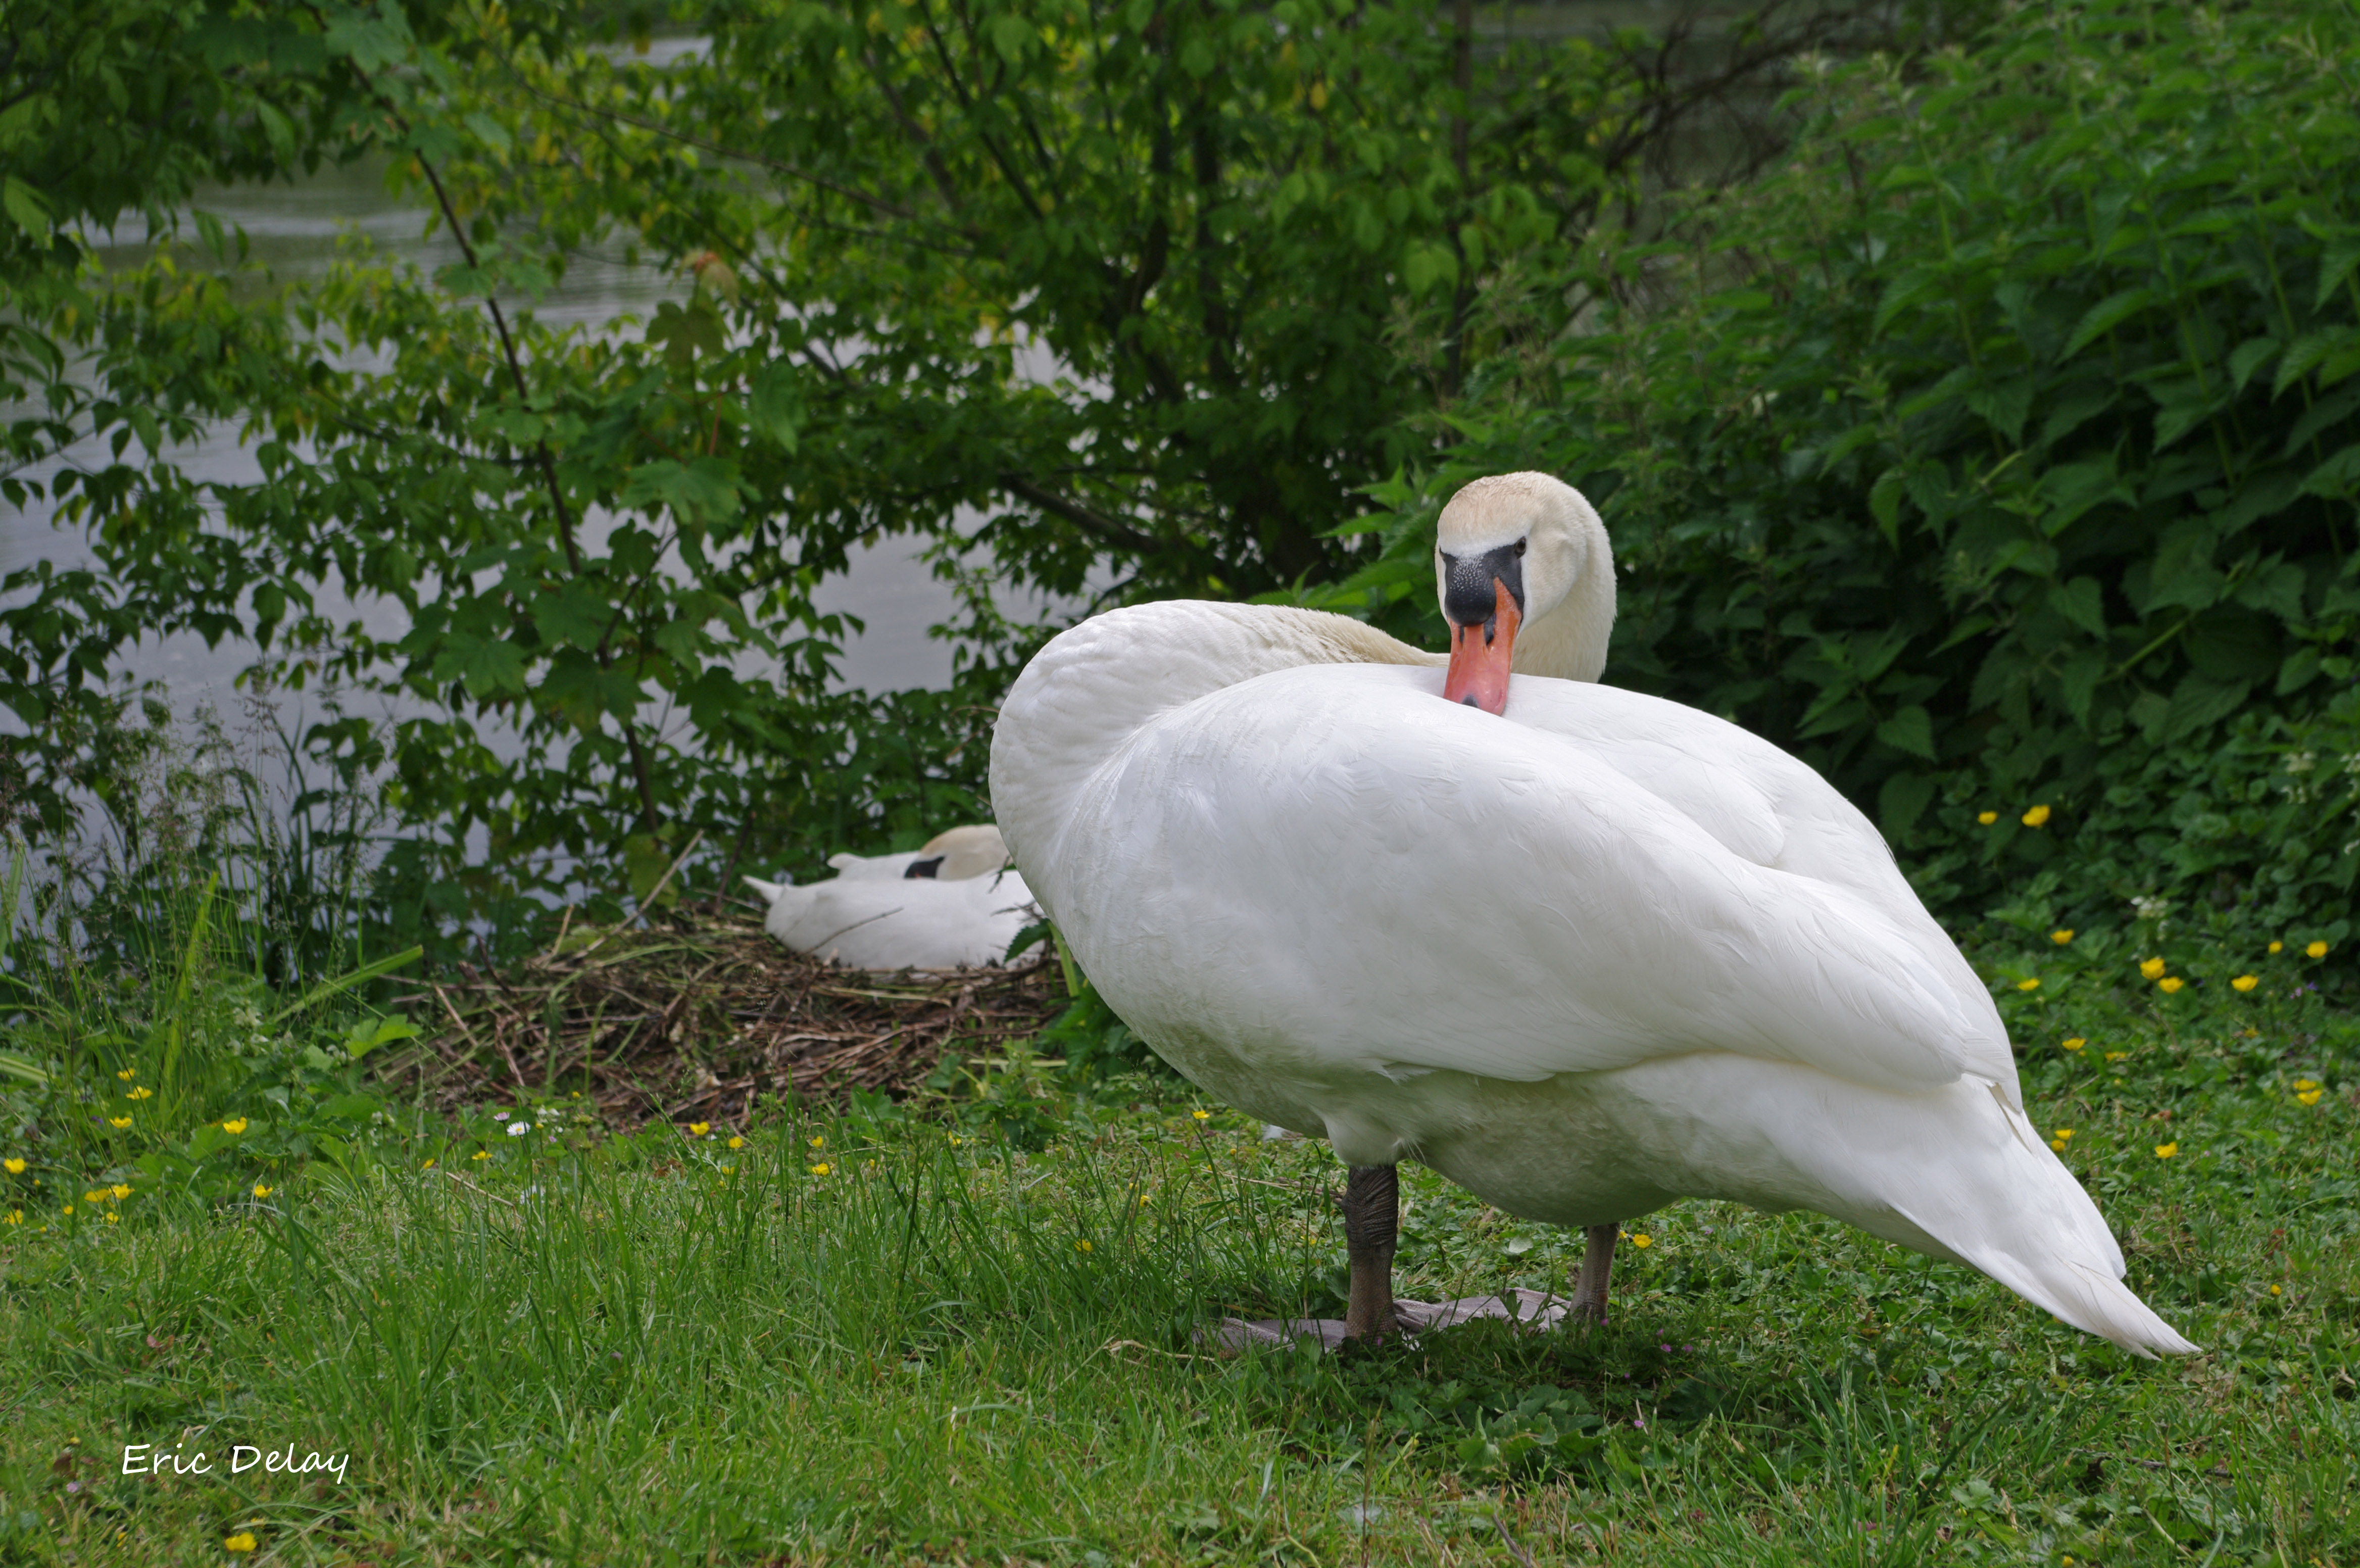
1139 295
1998 451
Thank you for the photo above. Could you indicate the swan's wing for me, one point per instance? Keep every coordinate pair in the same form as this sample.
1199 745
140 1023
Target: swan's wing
1332 866
1767 807
890 924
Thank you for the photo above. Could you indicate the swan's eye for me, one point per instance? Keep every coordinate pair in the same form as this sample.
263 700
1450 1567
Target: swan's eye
1520 549
1447 558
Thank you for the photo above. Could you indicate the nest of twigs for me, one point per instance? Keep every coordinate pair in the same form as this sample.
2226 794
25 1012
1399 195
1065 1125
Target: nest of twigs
697 1022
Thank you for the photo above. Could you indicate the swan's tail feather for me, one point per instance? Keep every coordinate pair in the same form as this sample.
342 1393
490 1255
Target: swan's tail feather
789 903
2039 1234
2088 1298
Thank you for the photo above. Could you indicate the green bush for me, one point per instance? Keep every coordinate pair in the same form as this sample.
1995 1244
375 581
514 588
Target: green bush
1997 448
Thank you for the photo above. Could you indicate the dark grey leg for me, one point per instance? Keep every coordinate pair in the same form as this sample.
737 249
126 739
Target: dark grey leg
1597 1263
1372 1228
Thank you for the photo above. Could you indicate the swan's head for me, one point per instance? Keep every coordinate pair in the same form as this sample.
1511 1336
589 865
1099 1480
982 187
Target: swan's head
1527 583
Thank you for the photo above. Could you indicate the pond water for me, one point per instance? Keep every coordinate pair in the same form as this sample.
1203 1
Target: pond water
293 229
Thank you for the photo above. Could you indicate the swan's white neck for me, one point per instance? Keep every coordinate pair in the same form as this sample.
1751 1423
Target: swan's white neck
1569 640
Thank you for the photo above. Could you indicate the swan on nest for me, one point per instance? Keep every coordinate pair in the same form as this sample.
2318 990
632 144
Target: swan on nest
951 904
1581 950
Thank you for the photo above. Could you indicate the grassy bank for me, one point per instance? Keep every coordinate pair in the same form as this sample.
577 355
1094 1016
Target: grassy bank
906 1341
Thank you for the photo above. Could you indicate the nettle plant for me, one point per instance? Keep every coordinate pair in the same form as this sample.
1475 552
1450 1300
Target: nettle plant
1998 448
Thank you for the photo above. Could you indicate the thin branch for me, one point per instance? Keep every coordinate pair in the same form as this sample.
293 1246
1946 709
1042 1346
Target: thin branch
1082 516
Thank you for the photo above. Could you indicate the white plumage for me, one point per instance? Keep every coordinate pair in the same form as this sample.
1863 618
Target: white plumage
1583 958
949 906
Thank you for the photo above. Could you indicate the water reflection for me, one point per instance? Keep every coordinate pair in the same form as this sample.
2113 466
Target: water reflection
293 230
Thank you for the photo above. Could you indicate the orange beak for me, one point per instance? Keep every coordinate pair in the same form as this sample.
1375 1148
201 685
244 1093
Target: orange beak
1480 656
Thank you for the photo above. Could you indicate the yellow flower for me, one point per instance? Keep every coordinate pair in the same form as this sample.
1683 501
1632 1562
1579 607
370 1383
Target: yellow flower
2278 946
2036 816
2027 985
1084 1246
120 1191
737 1143
110 1216
1642 1241
822 1168
481 1154
428 1165
242 1541
2244 982
2306 1083
2316 950
118 1123
2151 967
2060 938
2169 983
2311 1096
2165 1151
1202 1115
235 1126
127 1074
2064 1133
818 1142
91 1197
1987 817
142 1092
16 1216
2075 1043
2117 1056
2057 1144
260 1191
13 1166
2273 1289
956 1140
698 1129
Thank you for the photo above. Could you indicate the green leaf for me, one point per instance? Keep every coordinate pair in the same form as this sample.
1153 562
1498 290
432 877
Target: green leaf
2104 316
574 613
2199 703
1011 35
2300 668
2075 412
25 207
1428 267
2003 407
1885 504
1900 802
2337 476
702 489
489 666
2077 682
777 404
2335 267
2082 602
1910 730
2250 356
645 861
2309 350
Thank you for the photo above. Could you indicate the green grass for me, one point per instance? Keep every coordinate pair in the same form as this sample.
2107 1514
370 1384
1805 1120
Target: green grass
590 1350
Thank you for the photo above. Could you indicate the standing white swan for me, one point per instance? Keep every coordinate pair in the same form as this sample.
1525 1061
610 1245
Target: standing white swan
1580 950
